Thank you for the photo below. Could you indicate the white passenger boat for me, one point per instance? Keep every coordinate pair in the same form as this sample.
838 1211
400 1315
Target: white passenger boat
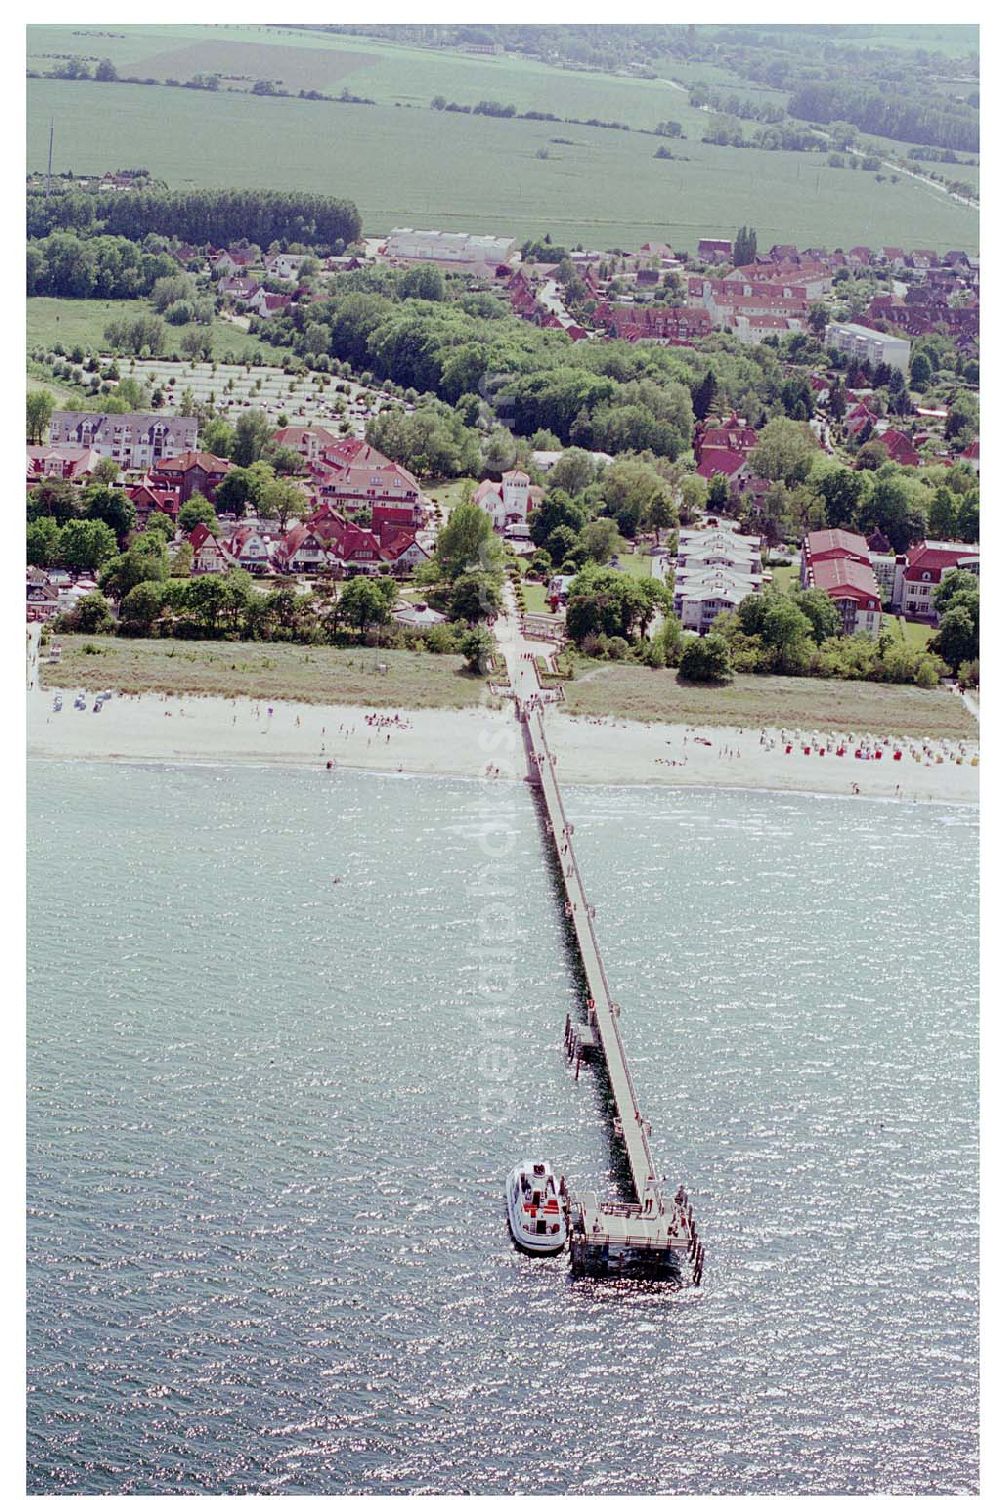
536 1209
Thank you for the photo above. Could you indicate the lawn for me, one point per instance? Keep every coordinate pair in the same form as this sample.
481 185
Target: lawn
913 631
304 674
404 163
631 692
74 320
635 563
535 595
784 576
448 492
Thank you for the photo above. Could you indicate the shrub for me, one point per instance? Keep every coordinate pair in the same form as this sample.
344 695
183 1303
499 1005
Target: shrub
706 659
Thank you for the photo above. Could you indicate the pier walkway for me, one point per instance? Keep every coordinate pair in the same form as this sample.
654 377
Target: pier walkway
651 1236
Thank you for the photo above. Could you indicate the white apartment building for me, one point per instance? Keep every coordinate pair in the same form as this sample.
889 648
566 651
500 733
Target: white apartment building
449 246
714 570
135 440
868 344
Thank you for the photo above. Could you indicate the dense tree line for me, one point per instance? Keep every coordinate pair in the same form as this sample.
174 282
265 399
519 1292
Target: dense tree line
702 96
201 215
63 264
606 394
881 111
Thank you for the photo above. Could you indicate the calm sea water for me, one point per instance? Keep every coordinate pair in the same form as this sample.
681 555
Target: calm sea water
272 1099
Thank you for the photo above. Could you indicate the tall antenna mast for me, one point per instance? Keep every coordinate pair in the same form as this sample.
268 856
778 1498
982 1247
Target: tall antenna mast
48 179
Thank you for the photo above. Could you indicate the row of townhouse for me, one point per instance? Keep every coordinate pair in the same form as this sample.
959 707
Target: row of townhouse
931 314
637 320
860 574
135 440
715 569
837 562
324 541
353 476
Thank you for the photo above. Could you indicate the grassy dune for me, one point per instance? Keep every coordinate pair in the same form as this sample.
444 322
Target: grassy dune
760 702
302 674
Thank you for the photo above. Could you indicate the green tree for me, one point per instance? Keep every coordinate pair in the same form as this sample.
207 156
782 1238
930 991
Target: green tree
54 497
236 490
818 318
706 659
921 371
477 646
573 471
786 450
499 452
942 515
363 604
467 541
142 606
704 395
43 542
872 455
281 499
40 406
962 422
662 512
745 248
424 282
156 521
251 438
895 504
967 520
957 640
207 599
113 507
86 546
787 632
196 343
628 488
717 499
561 543
218 437
820 611
106 471
89 616
198 512
599 540
475 595
958 586
840 489
146 558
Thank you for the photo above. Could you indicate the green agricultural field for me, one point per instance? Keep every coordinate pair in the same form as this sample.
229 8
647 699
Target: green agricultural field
628 692
403 163
378 70
73 320
303 674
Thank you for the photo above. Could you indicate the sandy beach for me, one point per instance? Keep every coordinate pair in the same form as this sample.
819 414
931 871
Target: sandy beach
486 742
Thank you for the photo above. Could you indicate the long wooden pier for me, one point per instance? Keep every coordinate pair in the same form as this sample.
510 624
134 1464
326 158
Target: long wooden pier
655 1234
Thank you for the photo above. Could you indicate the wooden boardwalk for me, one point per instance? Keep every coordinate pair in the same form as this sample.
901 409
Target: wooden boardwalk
653 1235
